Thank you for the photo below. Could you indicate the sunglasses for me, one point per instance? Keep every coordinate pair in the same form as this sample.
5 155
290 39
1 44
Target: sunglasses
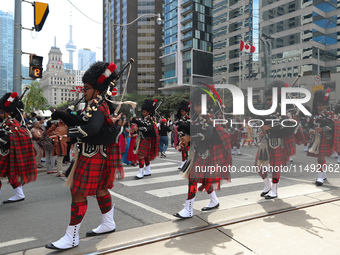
86 89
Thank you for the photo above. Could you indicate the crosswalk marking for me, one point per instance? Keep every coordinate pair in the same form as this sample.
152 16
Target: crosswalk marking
146 207
247 198
152 165
154 171
178 190
150 180
17 241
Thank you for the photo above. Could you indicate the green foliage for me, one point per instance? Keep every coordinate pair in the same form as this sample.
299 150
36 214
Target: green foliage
34 99
171 103
62 107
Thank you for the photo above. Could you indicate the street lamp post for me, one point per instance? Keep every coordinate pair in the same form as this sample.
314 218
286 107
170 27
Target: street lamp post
158 20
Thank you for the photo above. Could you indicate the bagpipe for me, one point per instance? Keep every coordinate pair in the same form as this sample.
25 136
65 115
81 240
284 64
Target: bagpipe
322 120
72 120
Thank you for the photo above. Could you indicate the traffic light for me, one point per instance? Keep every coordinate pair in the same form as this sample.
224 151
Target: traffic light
40 15
36 69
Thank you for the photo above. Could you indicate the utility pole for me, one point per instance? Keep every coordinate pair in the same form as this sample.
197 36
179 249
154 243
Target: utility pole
109 46
17 48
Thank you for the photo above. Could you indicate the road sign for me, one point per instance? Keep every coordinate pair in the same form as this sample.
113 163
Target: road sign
318 87
317 78
114 92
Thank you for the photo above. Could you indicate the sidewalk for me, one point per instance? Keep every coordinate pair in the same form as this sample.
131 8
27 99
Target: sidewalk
310 230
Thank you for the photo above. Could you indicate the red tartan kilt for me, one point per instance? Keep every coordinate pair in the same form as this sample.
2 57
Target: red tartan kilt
144 147
300 137
276 156
234 141
220 156
148 147
325 149
4 163
289 146
131 156
91 175
307 137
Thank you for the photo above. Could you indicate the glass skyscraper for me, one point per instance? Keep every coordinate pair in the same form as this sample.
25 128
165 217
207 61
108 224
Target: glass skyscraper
86 57
301 29
293 37
141 41
188 42
233 22
6 52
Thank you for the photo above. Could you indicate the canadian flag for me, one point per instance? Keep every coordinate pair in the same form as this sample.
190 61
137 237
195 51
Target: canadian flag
246 47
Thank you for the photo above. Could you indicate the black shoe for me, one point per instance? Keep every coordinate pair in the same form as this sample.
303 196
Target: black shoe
263 194
210 208
13 201
181 217
51 246
316 183
91 233
270 197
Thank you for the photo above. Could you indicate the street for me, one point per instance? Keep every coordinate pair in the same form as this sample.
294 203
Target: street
43 216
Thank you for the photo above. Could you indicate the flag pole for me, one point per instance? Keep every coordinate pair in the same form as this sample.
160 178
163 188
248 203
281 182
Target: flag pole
239 70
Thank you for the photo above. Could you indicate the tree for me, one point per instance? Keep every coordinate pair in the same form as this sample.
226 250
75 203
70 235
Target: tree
34 99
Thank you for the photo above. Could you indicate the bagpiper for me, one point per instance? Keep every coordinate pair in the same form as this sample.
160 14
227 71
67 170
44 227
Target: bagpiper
17 157
322 128
209 156
182 117
147 143
273 152
97 159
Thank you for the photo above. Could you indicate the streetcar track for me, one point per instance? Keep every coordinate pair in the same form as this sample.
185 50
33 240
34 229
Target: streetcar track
212 226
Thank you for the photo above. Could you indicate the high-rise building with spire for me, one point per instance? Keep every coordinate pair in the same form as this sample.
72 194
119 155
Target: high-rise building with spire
56 81
70 47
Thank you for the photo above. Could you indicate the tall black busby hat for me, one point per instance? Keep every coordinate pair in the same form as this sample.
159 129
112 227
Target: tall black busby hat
149 105
184 129
183 105
321 97
100 74
196 98
11 103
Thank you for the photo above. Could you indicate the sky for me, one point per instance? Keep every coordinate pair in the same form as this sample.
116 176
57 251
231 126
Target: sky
86 32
